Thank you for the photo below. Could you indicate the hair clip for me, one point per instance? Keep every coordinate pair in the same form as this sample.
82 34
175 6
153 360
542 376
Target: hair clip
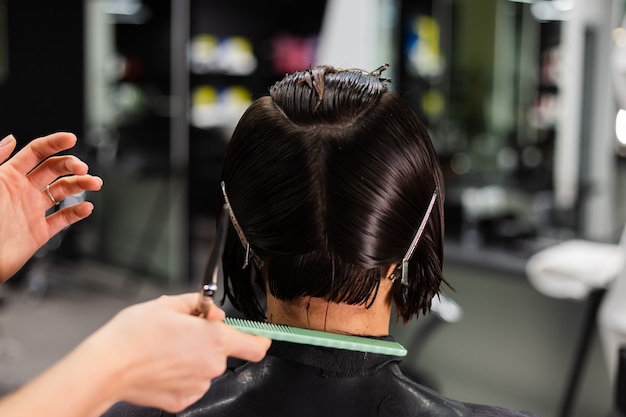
409 253
378 71
242 237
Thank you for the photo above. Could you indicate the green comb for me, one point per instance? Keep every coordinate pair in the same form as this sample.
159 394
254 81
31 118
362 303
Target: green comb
316 338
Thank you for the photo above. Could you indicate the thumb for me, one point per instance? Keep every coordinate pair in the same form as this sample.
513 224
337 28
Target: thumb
216 313
7 145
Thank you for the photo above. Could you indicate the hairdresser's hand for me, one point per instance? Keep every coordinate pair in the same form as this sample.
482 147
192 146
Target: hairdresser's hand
24 226
153 354
162 356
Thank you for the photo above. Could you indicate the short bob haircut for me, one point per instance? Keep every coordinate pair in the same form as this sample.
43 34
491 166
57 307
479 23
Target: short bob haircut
329 178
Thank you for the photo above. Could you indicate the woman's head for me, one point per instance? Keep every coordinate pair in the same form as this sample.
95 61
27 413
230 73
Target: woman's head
329 178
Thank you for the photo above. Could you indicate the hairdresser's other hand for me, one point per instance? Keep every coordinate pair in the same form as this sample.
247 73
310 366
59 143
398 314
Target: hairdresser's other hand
162 356
24 226
154 353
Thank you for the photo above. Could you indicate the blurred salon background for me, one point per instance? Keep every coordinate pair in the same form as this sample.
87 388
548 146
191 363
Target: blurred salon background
522 99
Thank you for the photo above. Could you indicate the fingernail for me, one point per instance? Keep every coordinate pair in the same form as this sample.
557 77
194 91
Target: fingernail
6 140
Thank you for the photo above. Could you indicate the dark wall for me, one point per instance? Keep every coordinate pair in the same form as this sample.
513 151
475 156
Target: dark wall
43 88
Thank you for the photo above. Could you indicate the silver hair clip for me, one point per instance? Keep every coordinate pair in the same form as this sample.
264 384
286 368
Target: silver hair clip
378 71
242 237
409 253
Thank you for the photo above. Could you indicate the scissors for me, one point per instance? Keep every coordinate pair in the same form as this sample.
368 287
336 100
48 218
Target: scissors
209 280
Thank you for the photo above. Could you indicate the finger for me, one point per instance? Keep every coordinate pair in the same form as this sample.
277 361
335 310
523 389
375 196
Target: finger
237 343
55 167
68 215
246 346
67 186
216 313
6 147
185 303
41 148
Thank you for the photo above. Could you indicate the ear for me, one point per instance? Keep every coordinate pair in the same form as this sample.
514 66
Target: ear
386 283
391 274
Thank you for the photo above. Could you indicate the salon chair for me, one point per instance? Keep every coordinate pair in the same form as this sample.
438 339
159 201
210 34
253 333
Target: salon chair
587 271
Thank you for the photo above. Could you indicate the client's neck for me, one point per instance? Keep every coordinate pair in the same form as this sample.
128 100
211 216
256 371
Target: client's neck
319 314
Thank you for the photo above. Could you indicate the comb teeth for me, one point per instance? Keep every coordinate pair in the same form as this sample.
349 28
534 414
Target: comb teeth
242 324
316 338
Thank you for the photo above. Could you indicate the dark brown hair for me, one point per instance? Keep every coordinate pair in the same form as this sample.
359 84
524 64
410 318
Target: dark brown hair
329 177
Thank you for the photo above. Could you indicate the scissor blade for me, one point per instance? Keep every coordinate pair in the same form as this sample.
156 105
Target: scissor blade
215 256
209 280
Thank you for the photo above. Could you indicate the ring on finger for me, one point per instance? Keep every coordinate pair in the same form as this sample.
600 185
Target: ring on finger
54 200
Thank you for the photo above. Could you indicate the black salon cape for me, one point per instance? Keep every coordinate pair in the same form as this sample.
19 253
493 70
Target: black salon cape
301 380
